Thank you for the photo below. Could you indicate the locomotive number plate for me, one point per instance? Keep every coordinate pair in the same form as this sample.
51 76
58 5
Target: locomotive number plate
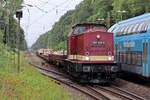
98 42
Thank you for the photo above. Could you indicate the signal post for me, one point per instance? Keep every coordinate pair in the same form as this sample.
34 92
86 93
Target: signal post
19 16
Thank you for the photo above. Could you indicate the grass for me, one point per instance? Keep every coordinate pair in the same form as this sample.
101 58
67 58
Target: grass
28 84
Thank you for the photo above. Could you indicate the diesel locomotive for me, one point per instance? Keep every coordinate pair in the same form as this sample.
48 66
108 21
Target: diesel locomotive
90 55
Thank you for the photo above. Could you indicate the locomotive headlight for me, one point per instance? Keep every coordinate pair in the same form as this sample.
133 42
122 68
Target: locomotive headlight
87 58
109 58
98 36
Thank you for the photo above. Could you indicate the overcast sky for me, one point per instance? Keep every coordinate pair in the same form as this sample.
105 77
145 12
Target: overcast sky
40 15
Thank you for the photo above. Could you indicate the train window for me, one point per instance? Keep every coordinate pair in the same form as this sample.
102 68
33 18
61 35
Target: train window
76 31
144 27
133 58
139 58
123 33
126 30
129 58
119 57
135 28
118 31
120 60
99 27
122 30
129 29
125 60
140 28
80 29
122 57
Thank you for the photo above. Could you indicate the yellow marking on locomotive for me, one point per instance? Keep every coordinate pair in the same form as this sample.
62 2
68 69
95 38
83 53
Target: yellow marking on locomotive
92 58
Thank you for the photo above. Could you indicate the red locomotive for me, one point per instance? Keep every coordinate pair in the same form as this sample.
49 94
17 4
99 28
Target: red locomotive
90 54
90 57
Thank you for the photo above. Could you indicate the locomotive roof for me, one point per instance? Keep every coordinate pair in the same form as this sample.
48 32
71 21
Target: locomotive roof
88 24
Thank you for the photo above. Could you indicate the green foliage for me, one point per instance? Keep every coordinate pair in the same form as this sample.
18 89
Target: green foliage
91 11
10 32
61 46
42 41
28 85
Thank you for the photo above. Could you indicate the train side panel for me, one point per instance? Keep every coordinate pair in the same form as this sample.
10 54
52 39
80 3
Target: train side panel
132 44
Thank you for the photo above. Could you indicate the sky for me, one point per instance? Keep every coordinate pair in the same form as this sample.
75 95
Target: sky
40 15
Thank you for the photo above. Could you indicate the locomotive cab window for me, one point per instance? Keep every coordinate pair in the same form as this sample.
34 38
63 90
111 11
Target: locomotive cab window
98 27
80 29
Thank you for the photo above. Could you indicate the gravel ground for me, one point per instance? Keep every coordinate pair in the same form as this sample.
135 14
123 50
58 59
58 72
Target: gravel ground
134 88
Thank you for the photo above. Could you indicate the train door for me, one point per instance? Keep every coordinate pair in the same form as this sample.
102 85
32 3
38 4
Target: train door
145 69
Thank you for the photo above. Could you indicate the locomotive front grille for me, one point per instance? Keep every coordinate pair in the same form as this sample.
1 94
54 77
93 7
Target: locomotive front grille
100 68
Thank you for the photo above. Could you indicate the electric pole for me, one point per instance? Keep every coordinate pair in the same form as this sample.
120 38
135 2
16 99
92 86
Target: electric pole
108 19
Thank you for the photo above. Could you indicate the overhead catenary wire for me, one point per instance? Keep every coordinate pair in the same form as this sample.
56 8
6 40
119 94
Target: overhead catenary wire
52 9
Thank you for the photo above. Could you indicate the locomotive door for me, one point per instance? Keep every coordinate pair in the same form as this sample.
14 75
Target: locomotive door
145 69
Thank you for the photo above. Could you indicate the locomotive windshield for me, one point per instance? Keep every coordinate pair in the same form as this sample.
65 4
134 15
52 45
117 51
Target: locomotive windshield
80 29
98 27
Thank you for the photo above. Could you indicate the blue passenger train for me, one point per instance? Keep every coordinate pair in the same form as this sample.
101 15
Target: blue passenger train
132 45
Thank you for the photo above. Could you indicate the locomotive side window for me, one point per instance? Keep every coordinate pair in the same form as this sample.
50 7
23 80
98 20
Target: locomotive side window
80 29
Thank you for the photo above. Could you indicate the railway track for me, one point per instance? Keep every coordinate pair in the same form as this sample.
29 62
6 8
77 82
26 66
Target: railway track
96 92
118 92
88 91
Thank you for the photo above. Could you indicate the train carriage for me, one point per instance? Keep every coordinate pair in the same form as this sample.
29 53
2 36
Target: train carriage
132 45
